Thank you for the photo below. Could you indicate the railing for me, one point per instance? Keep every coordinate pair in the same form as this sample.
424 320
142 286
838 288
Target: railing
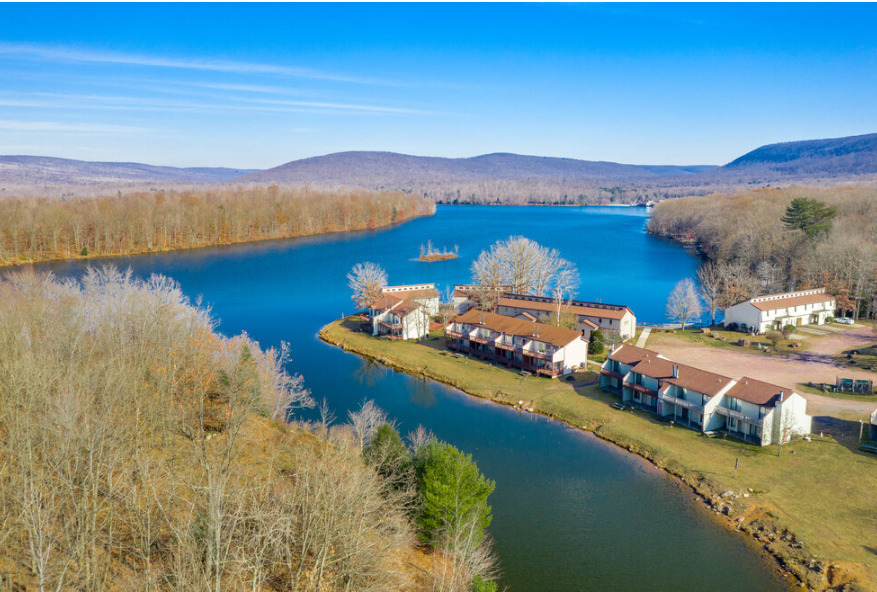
479 339
682 403
608 372
738 415
508 346
538 354
511 362
641 388
456 334
391 325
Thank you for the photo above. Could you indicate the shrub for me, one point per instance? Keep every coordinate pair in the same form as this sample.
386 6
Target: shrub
481 585
597 344
84 252
829 319
774 337
788 330
389 455
732 326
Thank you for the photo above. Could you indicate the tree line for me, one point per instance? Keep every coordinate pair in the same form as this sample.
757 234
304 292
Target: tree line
776 240
141 450
34 229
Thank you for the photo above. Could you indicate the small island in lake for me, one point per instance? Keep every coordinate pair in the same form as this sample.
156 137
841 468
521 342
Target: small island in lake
429 253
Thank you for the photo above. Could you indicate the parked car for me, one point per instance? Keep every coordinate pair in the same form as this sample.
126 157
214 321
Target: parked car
844 320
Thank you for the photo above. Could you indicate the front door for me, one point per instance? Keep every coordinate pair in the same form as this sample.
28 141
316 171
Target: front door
799 321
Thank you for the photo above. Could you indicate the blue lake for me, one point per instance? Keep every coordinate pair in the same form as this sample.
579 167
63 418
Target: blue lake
570 512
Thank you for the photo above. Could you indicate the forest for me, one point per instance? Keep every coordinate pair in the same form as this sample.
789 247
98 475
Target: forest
141 450
775 240
35 229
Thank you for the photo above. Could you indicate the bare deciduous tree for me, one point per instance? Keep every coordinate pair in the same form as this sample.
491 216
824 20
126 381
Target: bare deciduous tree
367 281
523 266
710 279
683 303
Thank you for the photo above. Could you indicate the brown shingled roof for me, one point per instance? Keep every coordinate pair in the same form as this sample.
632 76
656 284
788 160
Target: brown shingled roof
757 392
556 336
790 300
605 313
401 307
630 354
687 377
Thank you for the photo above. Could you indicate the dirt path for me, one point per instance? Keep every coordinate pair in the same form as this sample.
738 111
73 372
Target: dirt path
814 365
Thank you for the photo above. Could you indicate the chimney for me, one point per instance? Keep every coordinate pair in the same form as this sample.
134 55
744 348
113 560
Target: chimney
537 331
534 330
675 371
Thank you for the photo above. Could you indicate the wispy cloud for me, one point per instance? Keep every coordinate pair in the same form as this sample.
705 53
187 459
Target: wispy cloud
69 54
223 103
54 126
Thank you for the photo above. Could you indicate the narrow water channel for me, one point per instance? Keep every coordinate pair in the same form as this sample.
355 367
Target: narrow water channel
570 512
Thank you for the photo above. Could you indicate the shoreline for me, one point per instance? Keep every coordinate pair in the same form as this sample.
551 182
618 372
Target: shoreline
782 549
76 257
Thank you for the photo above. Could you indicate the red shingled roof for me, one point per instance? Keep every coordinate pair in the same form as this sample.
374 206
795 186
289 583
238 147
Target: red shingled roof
556 336
791 300
605 313
757 392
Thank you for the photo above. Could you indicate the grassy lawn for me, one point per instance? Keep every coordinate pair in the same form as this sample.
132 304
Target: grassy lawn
820 493
865 359
804 388
722 339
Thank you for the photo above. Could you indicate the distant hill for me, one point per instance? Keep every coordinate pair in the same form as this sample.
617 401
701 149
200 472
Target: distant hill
403 170
853 155
40 170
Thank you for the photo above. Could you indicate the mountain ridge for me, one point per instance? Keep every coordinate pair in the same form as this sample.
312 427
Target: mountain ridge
25 170
372 167
802 160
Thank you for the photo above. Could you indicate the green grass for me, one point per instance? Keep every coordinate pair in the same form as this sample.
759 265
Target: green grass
825 492
847 396
728 340
865 360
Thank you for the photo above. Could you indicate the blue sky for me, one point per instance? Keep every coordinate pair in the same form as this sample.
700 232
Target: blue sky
254 86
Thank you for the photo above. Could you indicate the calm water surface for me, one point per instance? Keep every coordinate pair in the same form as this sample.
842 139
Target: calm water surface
570 512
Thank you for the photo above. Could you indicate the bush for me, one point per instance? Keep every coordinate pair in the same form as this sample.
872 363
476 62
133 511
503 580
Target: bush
732 326
597 344
788 330
481 585
774 337
829 319
84 252
389 455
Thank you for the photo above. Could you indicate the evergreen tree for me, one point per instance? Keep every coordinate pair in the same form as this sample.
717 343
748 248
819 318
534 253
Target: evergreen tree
389 455
809 215
454 495
597 344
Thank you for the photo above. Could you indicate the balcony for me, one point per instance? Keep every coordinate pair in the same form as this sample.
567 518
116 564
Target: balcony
643 389
738 415
456 334
508 346
537 354
682 403
479 339
613 373
391 326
